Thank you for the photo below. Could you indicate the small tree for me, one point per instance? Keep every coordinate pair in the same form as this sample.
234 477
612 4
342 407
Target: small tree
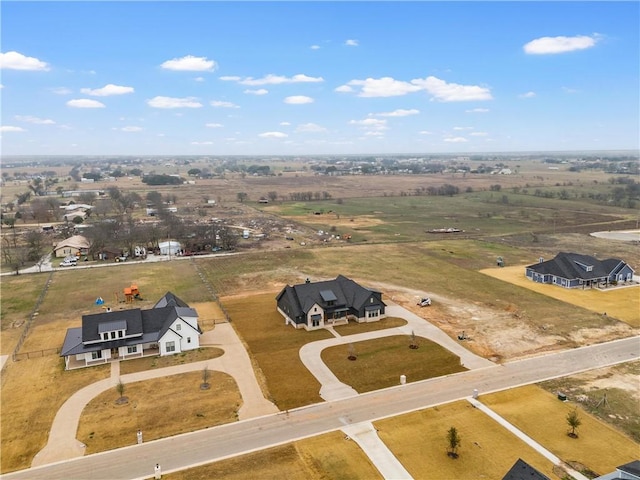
453 439
413 344
352 352
120 389
205 378
573 420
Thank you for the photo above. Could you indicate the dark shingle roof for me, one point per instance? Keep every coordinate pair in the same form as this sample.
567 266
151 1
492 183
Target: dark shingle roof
632 468
171 300
521 470
342 291
572 266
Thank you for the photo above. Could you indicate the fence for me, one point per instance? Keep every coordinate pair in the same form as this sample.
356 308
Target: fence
34 354
209 287
32 315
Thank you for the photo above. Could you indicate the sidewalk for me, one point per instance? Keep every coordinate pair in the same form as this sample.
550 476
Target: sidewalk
527 439
62 443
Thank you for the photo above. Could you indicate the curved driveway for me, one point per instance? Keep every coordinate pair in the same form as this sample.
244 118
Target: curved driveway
333 389
62 443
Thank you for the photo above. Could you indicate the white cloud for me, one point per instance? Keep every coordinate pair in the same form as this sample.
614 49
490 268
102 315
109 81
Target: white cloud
190 63
230 78
456 140
310 128
221 104
315 47
343 89
198 79
272 79
569 90
61 90
479 134
214 125
553 45
527 95
1 86
131 129
85 103
107 90
202 143
439 89
172 102
17 61
35 120
285 124
425 132
374 124
351 43
452 92
298 100
11 128
375 133
380 87
398 113
477 110
259 91
273 135
463 128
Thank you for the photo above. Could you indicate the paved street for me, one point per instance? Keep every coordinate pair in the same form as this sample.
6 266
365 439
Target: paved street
179 452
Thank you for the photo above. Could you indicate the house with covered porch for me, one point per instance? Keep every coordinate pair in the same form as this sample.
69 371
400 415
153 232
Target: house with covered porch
573 270
169 327
315 305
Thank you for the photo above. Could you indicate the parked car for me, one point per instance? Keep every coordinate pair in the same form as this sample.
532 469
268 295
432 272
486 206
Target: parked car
69 262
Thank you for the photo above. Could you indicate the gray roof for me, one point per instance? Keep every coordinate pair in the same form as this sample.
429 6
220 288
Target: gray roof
572 266
632 468
521 470
145 325
170 299
342 291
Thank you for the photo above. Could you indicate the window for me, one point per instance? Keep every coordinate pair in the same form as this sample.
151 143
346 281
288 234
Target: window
120 334
132 349
188 339
178 327
170 346
372 313
96 355
113 335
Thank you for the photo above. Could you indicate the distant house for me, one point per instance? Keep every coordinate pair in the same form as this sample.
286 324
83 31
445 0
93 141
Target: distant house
171 326
170 247
76 245
572 270
315 305
521 470
628 471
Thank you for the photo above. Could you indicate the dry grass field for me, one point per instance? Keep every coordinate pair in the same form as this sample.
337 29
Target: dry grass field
46 386
323 457
380 362
419 441
611 394
622 303
159 408
542 416
273 345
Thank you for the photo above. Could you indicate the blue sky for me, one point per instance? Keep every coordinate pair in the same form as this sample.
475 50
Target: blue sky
295 78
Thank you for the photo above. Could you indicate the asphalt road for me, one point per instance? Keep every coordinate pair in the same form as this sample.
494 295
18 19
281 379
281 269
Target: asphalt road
205 446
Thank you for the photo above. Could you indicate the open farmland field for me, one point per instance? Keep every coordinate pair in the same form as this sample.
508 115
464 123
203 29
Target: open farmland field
317 458
540 415
19 296
622 303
